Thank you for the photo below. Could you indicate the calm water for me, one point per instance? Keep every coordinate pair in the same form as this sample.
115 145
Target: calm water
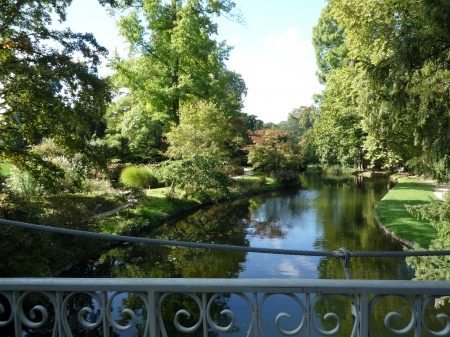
326 213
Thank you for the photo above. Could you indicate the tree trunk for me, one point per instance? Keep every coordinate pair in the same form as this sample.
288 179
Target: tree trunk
176 100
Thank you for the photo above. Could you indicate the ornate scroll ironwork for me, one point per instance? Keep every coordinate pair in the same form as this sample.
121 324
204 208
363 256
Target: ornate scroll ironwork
166 307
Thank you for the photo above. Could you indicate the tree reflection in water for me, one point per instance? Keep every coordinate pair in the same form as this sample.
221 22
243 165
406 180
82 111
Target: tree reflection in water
326 213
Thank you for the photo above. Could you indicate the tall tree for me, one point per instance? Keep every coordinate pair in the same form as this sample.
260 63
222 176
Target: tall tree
298 122
401 47
338 131
174 57
49 85
203 130
329 44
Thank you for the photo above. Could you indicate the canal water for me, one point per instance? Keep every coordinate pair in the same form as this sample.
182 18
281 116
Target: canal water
325 213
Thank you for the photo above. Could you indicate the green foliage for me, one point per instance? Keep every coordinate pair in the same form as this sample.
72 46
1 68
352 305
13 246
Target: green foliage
20 207
271 151
433 267
338 133
389 77
138 176
299 127
262 180
5 169
234 168
203 130
329 44
174 57
70 173
286 177
27 253
132 136
175 71
198 176
21 183
49 85
299 121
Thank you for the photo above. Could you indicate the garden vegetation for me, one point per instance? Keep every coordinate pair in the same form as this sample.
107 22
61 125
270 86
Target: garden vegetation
166 131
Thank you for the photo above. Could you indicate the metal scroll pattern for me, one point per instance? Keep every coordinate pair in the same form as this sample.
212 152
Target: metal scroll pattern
70 313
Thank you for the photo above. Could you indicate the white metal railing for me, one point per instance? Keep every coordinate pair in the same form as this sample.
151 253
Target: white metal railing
247 307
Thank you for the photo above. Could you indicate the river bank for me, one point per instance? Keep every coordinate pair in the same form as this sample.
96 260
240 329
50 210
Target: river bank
395 220
154 207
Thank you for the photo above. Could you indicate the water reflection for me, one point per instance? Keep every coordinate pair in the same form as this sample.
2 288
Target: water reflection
326 213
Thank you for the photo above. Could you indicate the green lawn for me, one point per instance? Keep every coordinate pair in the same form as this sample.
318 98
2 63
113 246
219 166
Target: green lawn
315 167
5 169
393 214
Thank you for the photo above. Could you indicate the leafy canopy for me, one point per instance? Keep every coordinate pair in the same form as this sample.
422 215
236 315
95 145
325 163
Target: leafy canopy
174 58
203 130
49 85
271 151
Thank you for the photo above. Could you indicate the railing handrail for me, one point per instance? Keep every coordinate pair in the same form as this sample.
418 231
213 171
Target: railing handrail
174 285
303 297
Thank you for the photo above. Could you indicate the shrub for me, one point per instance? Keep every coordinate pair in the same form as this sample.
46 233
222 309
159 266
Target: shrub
272 151
198 175
23 185
63 173
286 177
135 176
235 170
262 180
99 186
115 170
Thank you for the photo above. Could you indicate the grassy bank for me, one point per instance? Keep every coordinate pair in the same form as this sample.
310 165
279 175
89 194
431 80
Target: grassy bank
5 169
155 207
140 209
393 214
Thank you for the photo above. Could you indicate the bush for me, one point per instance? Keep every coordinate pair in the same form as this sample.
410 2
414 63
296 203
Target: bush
197 176
99 186
286 177
115 170
262 180
135 176
22 185
272 151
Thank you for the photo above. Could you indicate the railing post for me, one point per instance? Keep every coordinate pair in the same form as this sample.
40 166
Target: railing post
418 313
308 314
15 309
104 316
59 322
364 315
152 314
204 314
256 315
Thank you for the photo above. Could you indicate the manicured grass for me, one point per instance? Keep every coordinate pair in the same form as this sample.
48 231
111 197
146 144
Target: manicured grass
315 167
156 206
393 214
5 169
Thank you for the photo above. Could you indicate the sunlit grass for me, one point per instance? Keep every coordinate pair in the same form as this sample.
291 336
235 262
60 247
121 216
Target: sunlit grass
5 169
158 203
315 167
393 214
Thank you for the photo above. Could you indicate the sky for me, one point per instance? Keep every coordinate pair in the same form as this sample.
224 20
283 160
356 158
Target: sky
272 51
